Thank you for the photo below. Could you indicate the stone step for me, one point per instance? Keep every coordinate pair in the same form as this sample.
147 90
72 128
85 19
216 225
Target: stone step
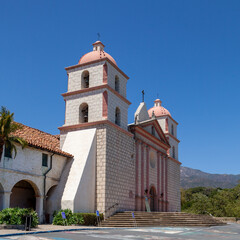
145 219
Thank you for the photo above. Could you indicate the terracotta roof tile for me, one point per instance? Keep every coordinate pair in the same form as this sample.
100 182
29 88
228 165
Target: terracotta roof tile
41 140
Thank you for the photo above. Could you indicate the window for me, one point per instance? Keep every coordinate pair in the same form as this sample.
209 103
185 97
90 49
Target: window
173 152
7 152
85 79
44 160
153 131
117 84
83 113
172 130
117 116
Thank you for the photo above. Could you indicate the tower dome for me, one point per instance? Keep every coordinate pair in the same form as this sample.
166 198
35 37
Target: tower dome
97 53
158 109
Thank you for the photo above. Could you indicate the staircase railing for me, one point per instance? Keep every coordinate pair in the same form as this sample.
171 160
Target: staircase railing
108 210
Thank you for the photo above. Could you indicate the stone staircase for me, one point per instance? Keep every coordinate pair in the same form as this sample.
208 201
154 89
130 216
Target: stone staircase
166 219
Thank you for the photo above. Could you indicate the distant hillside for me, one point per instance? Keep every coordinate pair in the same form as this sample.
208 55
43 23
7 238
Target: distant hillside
194 178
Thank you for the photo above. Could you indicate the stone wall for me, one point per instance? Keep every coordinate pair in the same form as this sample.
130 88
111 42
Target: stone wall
120 170
174 197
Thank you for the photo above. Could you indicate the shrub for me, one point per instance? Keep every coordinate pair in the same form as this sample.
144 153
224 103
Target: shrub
16 216
88 218
70 218
75 218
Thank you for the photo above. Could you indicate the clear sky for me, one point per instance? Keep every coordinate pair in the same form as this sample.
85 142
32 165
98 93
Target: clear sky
186 52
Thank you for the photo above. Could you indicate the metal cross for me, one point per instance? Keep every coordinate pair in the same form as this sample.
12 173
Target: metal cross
143 93
98 34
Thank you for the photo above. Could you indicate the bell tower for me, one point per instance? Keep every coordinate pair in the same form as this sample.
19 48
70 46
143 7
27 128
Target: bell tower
96 90
95 133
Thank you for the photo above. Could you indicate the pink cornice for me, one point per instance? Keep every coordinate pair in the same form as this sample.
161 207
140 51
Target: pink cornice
169 134
150 137
96 88
99 60
90 124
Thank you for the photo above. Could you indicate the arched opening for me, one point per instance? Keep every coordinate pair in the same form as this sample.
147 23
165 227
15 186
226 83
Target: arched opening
117 84
173 152
51 204
117 116
85 80
153 130
172 130
153 199
23 195
1 196
152 160
83 113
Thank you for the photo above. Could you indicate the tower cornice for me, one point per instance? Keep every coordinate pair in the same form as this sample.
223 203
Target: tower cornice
103 86
99 60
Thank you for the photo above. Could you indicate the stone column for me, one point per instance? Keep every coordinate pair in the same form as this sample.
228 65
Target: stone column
162 184
136 177
147 170
142 177
166 183
6 199
158 181
39 208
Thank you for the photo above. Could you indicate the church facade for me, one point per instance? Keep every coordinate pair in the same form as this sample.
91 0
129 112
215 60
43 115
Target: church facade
98 162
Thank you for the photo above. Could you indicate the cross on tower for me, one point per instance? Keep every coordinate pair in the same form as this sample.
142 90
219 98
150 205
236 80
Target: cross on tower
98 34
143 93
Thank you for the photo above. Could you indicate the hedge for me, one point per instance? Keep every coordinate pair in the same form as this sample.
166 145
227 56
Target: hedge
16 216
89 218
75 218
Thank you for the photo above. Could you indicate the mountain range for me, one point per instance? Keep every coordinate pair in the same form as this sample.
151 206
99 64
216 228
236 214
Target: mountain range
195 178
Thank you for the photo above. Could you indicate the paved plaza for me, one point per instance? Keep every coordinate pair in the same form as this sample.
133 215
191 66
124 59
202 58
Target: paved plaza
230 231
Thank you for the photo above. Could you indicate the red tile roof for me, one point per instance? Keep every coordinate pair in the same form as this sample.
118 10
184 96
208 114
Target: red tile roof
41 140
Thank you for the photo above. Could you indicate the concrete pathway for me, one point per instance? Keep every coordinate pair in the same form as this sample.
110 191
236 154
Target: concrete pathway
43 228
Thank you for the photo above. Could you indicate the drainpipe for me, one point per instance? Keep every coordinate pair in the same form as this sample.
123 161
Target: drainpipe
44 185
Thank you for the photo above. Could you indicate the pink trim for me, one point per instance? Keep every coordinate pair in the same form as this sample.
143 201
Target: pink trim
152 138
166 125
169 134
105 105
89 124
142 176
162 179
159 130
174 160
98 60
158 177
105 73
96 88
166 183
137 163
147 170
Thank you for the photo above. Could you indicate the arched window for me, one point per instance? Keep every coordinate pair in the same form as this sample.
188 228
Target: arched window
117 84
173 152
83 113
172 130
85 80
153 130
117 116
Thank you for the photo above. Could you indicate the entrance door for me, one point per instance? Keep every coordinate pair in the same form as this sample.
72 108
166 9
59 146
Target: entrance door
153 199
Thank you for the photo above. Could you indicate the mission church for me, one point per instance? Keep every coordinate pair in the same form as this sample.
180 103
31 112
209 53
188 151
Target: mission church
98 161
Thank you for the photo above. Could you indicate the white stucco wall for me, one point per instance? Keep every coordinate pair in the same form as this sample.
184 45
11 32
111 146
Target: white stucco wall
79 191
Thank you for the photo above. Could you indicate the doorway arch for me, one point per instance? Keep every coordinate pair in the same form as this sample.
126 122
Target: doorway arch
23 195
1 196
153 199
51 204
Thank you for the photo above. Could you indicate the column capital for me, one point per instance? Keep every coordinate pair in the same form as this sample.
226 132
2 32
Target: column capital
138 141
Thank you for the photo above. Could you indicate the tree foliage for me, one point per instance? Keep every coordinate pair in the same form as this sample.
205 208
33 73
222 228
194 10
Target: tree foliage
7 128
215 201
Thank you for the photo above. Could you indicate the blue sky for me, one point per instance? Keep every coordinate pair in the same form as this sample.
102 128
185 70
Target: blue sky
187 52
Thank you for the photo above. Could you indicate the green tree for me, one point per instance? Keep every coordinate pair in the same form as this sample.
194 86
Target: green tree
7 128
